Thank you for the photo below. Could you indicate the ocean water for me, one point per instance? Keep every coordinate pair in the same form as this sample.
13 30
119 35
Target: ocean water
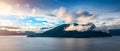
23 43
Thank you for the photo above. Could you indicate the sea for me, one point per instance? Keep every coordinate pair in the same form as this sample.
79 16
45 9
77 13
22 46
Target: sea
23 43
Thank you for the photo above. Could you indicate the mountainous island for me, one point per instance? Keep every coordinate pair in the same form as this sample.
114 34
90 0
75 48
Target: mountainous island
68 30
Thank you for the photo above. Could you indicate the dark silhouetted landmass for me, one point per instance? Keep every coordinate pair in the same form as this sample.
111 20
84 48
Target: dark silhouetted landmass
114 32
60 32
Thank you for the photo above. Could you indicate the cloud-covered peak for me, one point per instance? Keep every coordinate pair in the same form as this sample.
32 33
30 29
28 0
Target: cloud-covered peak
81 28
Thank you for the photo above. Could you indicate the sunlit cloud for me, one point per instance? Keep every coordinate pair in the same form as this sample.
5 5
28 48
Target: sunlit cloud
34 18
29 19
80 17
7 23
5 8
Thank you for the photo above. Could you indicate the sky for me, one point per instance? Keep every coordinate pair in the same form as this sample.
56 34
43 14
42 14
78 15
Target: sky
33 15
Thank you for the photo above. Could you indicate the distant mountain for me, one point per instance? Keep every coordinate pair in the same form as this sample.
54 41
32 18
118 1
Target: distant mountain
114 32
9 27
6 32
60 32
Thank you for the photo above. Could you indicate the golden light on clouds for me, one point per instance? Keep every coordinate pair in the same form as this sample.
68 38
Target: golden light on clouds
8 23
5 8
31 15
16 9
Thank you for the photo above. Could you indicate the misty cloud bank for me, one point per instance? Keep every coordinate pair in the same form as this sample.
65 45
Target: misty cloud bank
81 28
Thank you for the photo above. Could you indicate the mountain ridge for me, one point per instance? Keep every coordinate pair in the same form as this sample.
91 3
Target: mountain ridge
60 32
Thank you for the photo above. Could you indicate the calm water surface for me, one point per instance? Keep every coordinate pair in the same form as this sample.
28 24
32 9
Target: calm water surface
22 43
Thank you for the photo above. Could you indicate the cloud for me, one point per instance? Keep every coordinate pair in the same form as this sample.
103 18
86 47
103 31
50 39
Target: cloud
79 17
4 22
102 28
81 28
75 28
113 27
73 17
19 9
27 16
108 21
113 23
63 13
24 12
22 16
84 16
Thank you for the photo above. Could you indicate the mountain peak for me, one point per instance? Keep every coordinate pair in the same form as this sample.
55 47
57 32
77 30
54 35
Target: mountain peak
59 31
80 28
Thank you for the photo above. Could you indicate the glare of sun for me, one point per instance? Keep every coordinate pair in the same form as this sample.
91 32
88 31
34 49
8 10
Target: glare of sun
5 8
